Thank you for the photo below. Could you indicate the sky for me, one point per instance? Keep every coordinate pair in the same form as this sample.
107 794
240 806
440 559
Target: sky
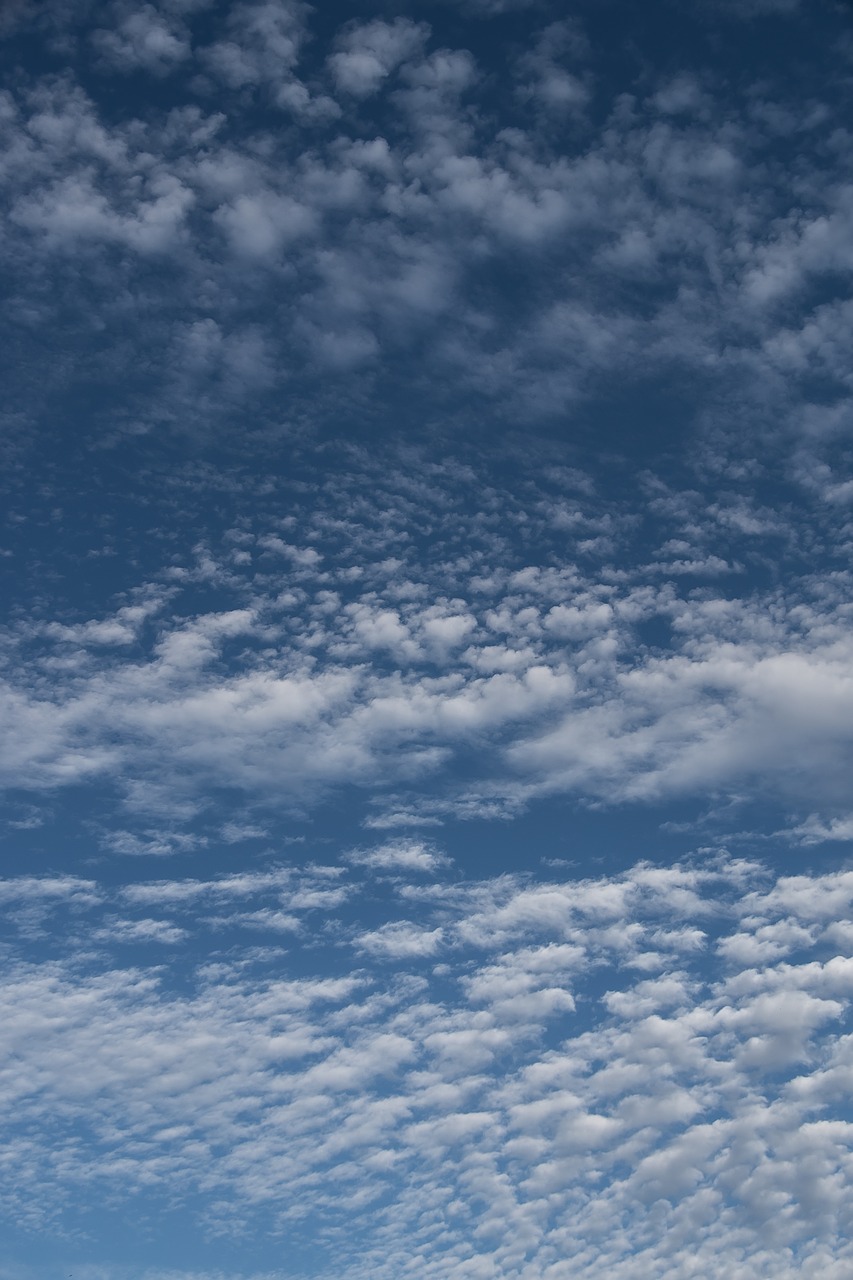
426 662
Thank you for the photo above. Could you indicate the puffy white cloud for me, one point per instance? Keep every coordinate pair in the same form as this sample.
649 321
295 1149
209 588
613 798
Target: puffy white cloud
368 52
369 236
693 1118
142 38
310 238
544 76
258 226
314 673
264 45
400 855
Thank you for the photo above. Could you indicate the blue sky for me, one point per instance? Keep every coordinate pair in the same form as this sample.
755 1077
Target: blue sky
427 666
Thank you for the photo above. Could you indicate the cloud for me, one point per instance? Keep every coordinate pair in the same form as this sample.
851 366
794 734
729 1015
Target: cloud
400 855
264 43
382 225
445 425
534 675
546 1068
368 52
135 931
816 830
259 226
544 78
402 940
142 39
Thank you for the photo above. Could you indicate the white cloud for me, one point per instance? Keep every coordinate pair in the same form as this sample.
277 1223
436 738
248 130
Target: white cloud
367 53
300 243
400 855
144 39
402 940
546 79
264 45
135 931
314 673
817 830
259 226
369 240
539 1091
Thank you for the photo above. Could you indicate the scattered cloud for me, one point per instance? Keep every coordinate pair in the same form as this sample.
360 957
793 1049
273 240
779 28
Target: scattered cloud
390 675
586 1062
433 512
400 855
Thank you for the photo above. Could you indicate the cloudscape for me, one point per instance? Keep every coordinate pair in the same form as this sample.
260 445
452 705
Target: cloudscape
427 660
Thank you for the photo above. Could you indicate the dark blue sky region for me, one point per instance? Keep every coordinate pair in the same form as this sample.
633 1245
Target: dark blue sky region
427 671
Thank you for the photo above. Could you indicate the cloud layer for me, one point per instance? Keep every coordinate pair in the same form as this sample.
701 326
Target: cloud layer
425 458
510 1077
293 214
572 644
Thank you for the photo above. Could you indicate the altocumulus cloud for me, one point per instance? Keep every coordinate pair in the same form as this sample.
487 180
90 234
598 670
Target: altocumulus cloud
525 658
571 1077
298 206
426 671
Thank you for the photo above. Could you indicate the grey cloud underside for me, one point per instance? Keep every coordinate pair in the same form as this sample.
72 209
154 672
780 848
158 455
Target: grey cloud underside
547 640
503 1078
364 207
